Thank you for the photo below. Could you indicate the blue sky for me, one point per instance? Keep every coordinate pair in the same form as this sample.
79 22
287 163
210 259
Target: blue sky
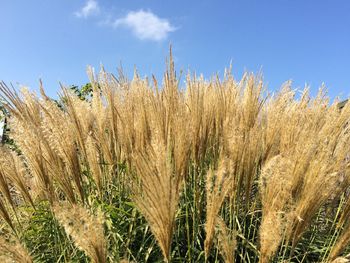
304 41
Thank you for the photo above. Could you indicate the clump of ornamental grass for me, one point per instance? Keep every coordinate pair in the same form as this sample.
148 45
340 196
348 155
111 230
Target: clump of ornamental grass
25 122
264 165
160 160
85 229
320 171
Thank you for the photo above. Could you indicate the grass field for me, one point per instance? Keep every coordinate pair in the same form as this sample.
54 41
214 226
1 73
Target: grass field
215 170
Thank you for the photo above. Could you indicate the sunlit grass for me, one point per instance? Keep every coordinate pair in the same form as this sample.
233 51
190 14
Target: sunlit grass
216 171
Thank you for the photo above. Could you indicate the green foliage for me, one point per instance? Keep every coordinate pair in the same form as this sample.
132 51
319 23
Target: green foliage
84 92
46 239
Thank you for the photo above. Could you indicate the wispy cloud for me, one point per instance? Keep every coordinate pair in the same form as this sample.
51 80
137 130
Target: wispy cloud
90 8
145 25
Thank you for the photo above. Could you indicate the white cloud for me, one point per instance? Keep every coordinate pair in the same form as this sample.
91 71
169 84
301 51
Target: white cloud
91 7
145 25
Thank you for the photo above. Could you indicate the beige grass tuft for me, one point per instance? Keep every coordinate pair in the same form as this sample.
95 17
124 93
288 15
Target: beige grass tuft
275 186
13 251
226 240
85 229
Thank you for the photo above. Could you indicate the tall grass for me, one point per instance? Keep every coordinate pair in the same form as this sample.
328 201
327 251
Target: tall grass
216 170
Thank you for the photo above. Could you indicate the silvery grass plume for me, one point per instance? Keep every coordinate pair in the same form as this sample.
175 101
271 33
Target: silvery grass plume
85 229
342 241
343 223
226 241
61 130
318 153
47 138
13 251
25 128
340 260
161 167
275 187
243 134
12 170
5 215
157 147
94 160
218 185
14 186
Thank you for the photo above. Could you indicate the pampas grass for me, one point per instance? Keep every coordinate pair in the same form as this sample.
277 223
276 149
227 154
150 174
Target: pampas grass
220 166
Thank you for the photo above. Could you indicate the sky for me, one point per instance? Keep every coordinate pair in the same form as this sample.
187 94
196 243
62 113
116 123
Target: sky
307 42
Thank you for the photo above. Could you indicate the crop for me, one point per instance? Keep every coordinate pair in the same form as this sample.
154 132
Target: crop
215 170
